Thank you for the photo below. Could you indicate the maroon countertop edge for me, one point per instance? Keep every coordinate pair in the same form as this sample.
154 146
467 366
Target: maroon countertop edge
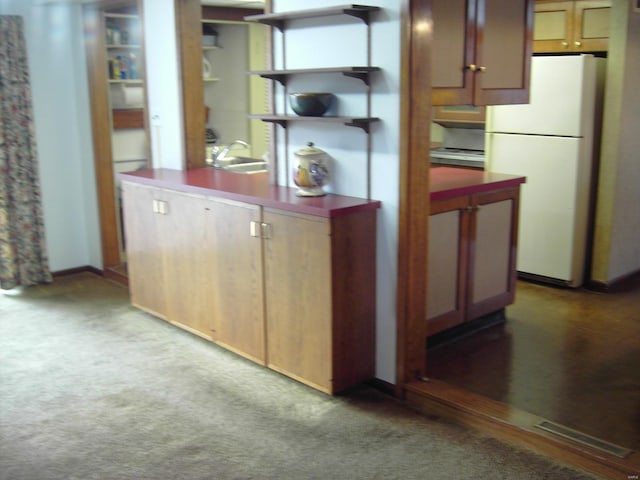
446 182
450 182
251 188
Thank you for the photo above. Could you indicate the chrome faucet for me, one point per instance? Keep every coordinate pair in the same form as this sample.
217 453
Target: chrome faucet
222 155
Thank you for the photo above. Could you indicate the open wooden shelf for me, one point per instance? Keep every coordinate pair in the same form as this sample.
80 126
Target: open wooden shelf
361 73
279 19
283 120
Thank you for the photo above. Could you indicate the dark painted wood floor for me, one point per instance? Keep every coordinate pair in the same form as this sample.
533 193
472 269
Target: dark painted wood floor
570 356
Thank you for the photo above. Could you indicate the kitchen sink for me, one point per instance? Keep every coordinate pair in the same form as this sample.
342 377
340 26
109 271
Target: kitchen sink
242 165
249 167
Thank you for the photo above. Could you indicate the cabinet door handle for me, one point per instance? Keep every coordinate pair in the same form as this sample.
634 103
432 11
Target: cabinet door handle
254 229
265 228
577 44
260 230
160 207
565 44
475 68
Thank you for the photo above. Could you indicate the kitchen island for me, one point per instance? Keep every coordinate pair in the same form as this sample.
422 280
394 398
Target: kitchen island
473 231
285 281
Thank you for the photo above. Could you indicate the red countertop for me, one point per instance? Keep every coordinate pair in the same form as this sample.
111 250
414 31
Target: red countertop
446 182
250 188
450 182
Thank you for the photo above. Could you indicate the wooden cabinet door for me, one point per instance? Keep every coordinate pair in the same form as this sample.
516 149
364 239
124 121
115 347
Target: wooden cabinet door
453 50
215 269
492 254
297 253
504 32
447 273
553 27
592 25
575 26
186 265
144 242
481 51
234 277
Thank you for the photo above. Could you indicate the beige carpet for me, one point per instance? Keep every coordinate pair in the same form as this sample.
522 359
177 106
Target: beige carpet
91 388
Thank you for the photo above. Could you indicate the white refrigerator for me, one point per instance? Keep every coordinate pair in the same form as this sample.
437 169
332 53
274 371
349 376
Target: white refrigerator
551 142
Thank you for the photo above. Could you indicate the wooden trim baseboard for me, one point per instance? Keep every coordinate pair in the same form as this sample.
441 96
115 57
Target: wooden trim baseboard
383 386
615 285
106 273
73 271
116 276
514 426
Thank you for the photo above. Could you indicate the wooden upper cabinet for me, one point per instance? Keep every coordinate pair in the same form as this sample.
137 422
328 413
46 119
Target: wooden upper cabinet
574 26
481 51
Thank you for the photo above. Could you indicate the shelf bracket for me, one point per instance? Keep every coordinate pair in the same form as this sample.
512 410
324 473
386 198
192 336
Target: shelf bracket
363 125
280 77
358 13
282 123
279 24
364 76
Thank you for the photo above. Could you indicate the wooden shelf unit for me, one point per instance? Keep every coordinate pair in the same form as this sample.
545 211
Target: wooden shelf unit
279 21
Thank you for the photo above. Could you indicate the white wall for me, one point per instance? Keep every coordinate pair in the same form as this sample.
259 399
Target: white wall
340 42
162 80
617 230
55 47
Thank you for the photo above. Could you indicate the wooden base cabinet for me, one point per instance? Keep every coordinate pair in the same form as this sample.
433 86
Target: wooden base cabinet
472 253
291 291
192 262
320 291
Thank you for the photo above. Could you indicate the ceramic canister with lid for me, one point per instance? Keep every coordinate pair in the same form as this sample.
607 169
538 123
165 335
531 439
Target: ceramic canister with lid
311 171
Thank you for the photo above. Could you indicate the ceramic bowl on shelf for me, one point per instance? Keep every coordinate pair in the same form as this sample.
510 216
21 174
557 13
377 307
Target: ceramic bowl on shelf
311 104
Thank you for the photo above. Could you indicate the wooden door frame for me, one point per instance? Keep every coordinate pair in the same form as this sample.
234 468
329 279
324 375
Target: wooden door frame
101 121
415 121
189 14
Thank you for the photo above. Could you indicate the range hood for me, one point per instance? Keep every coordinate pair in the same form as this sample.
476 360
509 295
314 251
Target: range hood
460 116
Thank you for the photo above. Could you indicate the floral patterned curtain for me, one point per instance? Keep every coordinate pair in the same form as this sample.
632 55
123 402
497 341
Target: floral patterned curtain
23 256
